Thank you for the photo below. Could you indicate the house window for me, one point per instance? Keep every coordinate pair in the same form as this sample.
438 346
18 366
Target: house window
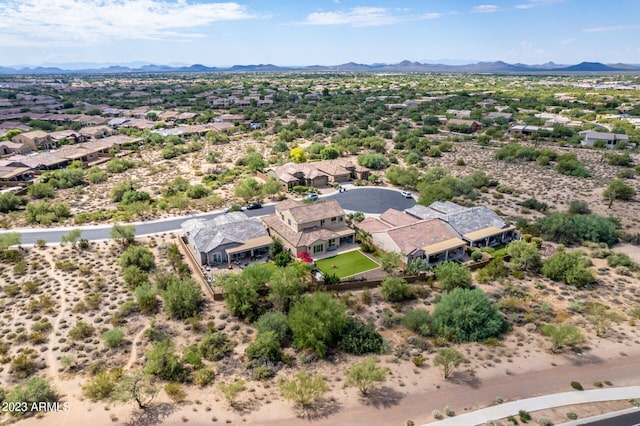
322 222
319 248
282 217
340 219
332 242
289 222
333 219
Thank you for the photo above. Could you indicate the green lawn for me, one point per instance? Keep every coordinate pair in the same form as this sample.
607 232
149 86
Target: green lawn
346 264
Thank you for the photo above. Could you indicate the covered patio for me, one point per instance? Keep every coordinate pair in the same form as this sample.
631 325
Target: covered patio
252 249
491 236
444 251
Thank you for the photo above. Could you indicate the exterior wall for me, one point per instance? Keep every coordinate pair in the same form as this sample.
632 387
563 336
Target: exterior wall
384 242
24 140
328 223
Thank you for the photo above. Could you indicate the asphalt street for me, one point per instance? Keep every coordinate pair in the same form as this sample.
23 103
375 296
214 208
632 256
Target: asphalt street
366 199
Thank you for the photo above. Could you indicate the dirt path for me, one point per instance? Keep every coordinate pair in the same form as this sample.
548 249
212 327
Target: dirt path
392 409
134 349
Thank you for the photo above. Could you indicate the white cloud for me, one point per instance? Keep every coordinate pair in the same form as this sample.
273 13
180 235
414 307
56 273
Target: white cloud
611 28
485 8
364 17
85 22
568 41
536 3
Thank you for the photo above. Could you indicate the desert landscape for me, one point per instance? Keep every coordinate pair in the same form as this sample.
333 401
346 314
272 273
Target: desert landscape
126 331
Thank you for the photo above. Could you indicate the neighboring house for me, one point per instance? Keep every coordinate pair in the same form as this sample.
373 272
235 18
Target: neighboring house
431 239
14 175
493 115
226 238
342 169
10 148
477 226
311 228
97 132
459 113
69 135
610 140
528 130
294 174
36 139
472 124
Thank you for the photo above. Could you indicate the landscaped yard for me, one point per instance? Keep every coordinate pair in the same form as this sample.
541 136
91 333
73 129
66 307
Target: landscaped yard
346 264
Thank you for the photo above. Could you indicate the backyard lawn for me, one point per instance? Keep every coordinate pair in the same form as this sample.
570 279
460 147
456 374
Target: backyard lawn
346 264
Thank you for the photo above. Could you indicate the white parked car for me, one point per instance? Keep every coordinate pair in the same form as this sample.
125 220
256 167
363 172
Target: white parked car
407 194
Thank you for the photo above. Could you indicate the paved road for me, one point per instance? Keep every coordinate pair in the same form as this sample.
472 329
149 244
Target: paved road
631 419
365 199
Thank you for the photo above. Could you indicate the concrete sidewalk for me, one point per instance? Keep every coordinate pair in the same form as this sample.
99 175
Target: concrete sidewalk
495 412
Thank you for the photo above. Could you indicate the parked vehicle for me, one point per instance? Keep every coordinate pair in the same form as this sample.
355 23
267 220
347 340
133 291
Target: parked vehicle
312 197
253 206
406 194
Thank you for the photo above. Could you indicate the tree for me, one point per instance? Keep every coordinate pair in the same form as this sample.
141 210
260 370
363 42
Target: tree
374 161
449 359
467 315
524 256
395 289
298 155
285 287
72 237
9 239
572 268
182 299
570 229
146 296
304 389
123 234
618 190
214 346
271 187
163 363
248 189
453 275
360 338
231 391
418 321
329 153
562 335
9 201
139 256
390 261
138 386
241 296
134 276
34 391
41 190
174 257
316 322
365 375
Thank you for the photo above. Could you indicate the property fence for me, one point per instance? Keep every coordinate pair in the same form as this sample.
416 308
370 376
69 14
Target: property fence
195 267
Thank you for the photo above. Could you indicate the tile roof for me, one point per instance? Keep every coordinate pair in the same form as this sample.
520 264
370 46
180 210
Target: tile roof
234 227
411 238
315 211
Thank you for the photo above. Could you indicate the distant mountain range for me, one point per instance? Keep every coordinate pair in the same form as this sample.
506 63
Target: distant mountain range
404 66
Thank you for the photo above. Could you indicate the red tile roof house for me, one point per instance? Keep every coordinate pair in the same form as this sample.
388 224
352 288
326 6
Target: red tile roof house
432 239
309 228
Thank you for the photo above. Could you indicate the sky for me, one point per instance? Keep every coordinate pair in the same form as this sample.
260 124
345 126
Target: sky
311 32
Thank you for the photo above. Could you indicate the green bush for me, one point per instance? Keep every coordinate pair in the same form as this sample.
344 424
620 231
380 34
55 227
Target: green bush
359 338
395 289
572 229
275 322
572 268
163 363
34 391
265 349
139 256
81 331
215 346
467 315
113 338
453 275
576 385
418 321
203 377
182 299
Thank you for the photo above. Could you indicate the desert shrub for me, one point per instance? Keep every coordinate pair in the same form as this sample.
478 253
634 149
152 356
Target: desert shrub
262 372
568 164
113 338
316 322
23 365
524 416
82 330
203 377
562 335
418 321
119 165
304 388
34 391
9 201
41 190
163 363
453 275
359 338
374 161
214 346
467 315
621 259
139 256
395 289
45 213
146 297
265 349
175 392
241 295
182 299
524 256
572 268
275 322
101 385
534 204
579 207
618 190
571 229
576 385
65 178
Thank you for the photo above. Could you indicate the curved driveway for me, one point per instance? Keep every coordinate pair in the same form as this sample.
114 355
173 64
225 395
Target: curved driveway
368 200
